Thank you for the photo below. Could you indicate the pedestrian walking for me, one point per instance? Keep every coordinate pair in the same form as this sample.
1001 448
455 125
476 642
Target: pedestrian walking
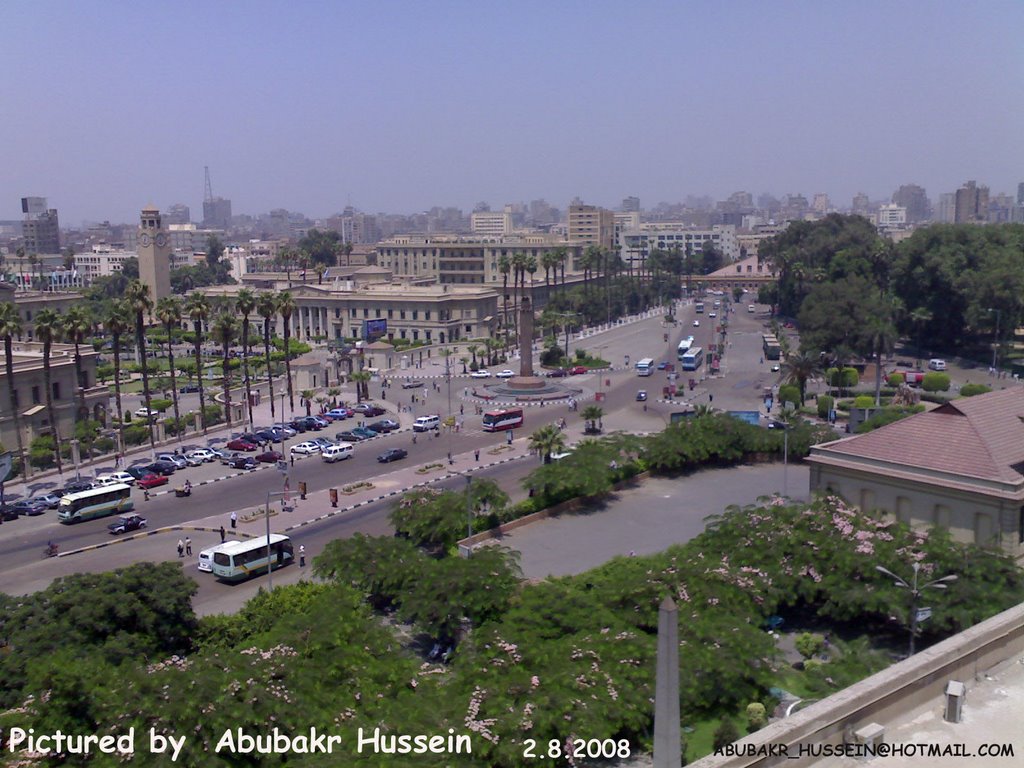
302 556
462 409
476 455
145 493
181 548
223 534
234 520
188 546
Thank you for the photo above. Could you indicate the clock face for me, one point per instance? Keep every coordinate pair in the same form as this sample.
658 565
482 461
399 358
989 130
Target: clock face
144 240
161 240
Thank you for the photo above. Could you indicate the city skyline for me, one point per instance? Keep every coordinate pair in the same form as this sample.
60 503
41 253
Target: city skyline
400 107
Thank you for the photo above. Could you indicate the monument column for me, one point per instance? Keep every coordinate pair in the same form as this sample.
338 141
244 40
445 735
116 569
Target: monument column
667 748
525 337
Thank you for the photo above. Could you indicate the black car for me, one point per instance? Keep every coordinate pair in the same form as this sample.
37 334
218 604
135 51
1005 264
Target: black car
244 462
369 409
8 513
384 425
127 523
299 425
189 388
139 471
558 373
313 422
161 467
77 486
349 436
394 454
30 507
265 434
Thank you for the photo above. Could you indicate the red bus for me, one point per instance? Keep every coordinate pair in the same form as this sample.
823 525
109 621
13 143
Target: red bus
508 418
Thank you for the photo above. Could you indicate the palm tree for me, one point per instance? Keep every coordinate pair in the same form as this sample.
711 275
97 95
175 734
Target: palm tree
77 324
116 323
592 415
197 307
306 397
505 266
245 303
546 441
10 326
266 306
140 302
286 306
362 379
225 332
333 393
168 312
920 318
473 349
883 337
47 328
798 368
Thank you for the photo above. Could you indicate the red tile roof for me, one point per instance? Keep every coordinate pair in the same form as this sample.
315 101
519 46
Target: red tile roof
980 437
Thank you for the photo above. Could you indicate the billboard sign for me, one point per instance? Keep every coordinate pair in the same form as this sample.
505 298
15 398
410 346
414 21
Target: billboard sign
374 329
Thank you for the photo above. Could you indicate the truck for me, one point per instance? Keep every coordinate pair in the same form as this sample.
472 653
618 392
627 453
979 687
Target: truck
912 378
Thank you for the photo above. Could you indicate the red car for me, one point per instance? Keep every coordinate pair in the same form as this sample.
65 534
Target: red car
577 369
241 445
270 457
151 481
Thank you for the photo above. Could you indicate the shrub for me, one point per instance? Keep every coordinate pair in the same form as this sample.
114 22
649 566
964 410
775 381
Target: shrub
161 404
970 390
756 716
552 355
809 644
725 734
935 382
895 379
40 452
824 405
864 401
789 393
888 416
136 434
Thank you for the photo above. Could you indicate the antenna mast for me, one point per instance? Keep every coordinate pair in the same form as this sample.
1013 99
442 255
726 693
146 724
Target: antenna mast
209 188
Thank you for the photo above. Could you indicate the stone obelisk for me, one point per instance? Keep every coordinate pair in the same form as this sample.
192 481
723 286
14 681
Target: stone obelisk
667 751
526 379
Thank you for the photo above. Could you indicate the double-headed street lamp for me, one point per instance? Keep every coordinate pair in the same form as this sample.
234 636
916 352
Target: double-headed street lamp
915 594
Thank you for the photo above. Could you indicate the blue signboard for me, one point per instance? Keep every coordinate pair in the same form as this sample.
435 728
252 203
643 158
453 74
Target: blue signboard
374 329
751 417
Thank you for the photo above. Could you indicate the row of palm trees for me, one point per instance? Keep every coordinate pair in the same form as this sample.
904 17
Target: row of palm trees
122 316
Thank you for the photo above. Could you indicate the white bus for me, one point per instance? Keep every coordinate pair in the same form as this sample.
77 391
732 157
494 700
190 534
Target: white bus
645 367
693 359
237 560
97 502
684 347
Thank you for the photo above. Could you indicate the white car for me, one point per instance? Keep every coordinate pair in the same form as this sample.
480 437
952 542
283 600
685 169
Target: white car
506 374
480 375
202 455
179 461
696 323
712 314
115 478
141 413
306 448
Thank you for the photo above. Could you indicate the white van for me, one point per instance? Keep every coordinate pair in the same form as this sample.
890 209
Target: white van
426 423
206 559
937 365
336 452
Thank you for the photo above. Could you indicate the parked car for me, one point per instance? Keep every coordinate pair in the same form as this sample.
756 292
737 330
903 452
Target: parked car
412 384
936 364
204 455
52 500
287 430
77 486
365 432
241 445
481 374
270 457
337 414
138 471
321 441
393 454
316 422
369 409
127 523
505 374
384 425
228 458
271 435
30 507
641 396
152 481
305 448
179 461
127 478
351 436
244 462
141 413
161 467
297 425
8 513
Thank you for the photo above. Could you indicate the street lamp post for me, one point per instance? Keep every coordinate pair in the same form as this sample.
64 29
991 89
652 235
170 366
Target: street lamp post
995 340
915 594
448 383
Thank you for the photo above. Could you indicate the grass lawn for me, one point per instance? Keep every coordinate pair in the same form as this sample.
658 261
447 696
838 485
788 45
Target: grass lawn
700 742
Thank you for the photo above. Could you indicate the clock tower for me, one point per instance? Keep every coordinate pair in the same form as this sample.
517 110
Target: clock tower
154 249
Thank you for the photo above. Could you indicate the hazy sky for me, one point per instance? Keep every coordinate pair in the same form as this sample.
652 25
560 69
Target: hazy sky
399 106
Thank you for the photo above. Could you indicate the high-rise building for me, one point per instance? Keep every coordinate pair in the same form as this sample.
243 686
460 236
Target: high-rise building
1020 193
821 203
945 211
216 213
861 203
494 223
178 213
591 225
40 230
154 249
915 200
631 204
971 204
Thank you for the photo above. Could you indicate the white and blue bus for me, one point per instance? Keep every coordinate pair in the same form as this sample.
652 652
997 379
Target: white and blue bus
684 347
693 359
238 560
645 367
98 502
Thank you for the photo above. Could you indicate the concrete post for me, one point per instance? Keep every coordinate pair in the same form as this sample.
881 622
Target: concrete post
667 751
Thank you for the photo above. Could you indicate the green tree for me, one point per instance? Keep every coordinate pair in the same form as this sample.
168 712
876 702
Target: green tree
430 517
10 326
546 441
116 322
382 567
798 368
168 312
197 307
140 302
266 307
725 734
225 333
933 381
245 303
47 329
592 415
77 324
286 306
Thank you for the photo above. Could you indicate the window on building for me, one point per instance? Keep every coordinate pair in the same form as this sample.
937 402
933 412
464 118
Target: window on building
415 334
391 314
56 390
469 329
337 312
366 312
352 312
428 334
378 312
401 333
415 314
401 314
